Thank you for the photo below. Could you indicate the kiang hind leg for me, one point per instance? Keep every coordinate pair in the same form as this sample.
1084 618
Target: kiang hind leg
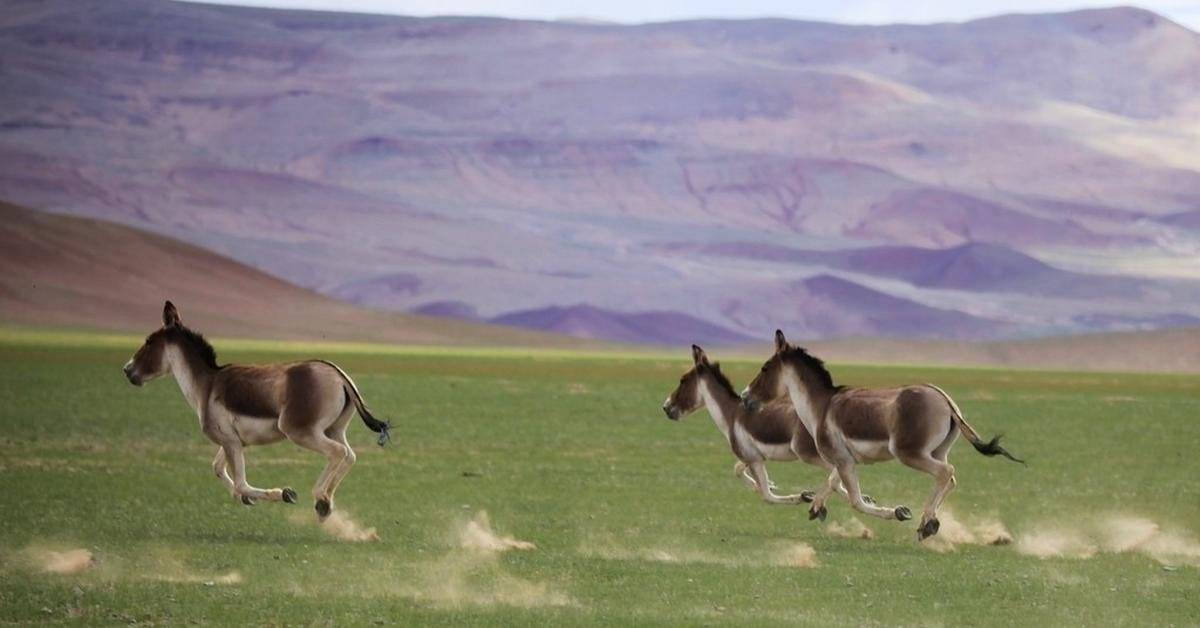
934 463
338 433
306 432
943 483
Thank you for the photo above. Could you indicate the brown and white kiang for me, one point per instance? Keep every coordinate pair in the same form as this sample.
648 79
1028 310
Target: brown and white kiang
309 403
775 433
915 424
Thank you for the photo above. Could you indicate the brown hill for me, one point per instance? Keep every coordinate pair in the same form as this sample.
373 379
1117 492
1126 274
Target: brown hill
77 272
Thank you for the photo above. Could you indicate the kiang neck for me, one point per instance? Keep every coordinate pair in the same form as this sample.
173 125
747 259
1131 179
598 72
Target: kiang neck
192 374
722 406
809 401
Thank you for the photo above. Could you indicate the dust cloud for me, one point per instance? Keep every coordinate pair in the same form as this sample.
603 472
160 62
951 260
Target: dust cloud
60 562
156 563
1055 543
1115 535
851 529
340 525
976 531
477 535
473 578
795 555
779 554
471 573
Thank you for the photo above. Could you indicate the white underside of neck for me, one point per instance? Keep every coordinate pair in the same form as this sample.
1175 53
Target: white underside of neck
714 409
802 405
188 384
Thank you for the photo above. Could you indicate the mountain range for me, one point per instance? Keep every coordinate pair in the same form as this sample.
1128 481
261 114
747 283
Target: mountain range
701 181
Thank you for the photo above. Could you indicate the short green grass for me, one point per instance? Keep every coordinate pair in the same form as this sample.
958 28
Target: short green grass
637 520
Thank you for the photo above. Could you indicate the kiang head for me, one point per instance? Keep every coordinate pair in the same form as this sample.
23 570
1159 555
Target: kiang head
788 362
151 359
687 396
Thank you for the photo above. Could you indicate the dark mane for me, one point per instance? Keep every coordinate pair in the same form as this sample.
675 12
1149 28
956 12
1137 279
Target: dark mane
815 364
722 381
196 340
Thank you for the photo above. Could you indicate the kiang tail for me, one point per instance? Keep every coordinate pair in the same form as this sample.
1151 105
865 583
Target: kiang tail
383 428
989 447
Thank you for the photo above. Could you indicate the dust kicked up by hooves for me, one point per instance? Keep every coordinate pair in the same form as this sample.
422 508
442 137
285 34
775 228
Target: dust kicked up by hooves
154 563
1116 535
340 525
477 535
472 573
974 531
778 554
61 562
851 529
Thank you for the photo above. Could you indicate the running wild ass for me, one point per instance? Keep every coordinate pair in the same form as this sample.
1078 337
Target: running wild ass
774 433
915 424
308 403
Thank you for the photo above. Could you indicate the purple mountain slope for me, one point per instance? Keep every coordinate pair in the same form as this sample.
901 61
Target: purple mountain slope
826 306
973 267
640 327
1018 175
448 309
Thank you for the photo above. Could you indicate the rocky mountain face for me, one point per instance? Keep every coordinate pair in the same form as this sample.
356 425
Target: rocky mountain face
693 181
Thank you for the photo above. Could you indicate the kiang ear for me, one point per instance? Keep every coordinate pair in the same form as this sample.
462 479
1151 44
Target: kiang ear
781 343
698 355
170 315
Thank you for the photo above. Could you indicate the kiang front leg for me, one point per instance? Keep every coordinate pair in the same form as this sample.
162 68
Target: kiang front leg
849 477
817 510
841 490
742 471
759 470
219 466
242 489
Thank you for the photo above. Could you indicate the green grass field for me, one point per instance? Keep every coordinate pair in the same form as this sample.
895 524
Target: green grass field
637 520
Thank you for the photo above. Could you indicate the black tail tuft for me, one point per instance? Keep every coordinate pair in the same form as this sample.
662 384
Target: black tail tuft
993 448
383 428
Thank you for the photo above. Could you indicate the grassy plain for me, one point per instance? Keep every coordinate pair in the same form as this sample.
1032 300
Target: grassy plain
637 520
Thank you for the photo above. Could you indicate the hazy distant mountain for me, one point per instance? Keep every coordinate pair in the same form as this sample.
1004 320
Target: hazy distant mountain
586 321
709 179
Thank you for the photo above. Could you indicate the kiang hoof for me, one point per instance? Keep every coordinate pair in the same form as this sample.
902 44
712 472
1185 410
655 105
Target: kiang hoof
903 513
247 500
807 496
818 513
323 508
289 495
928 529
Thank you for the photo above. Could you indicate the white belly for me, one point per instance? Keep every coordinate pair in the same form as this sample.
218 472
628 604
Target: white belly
866 451
766 451
255 431
776 452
